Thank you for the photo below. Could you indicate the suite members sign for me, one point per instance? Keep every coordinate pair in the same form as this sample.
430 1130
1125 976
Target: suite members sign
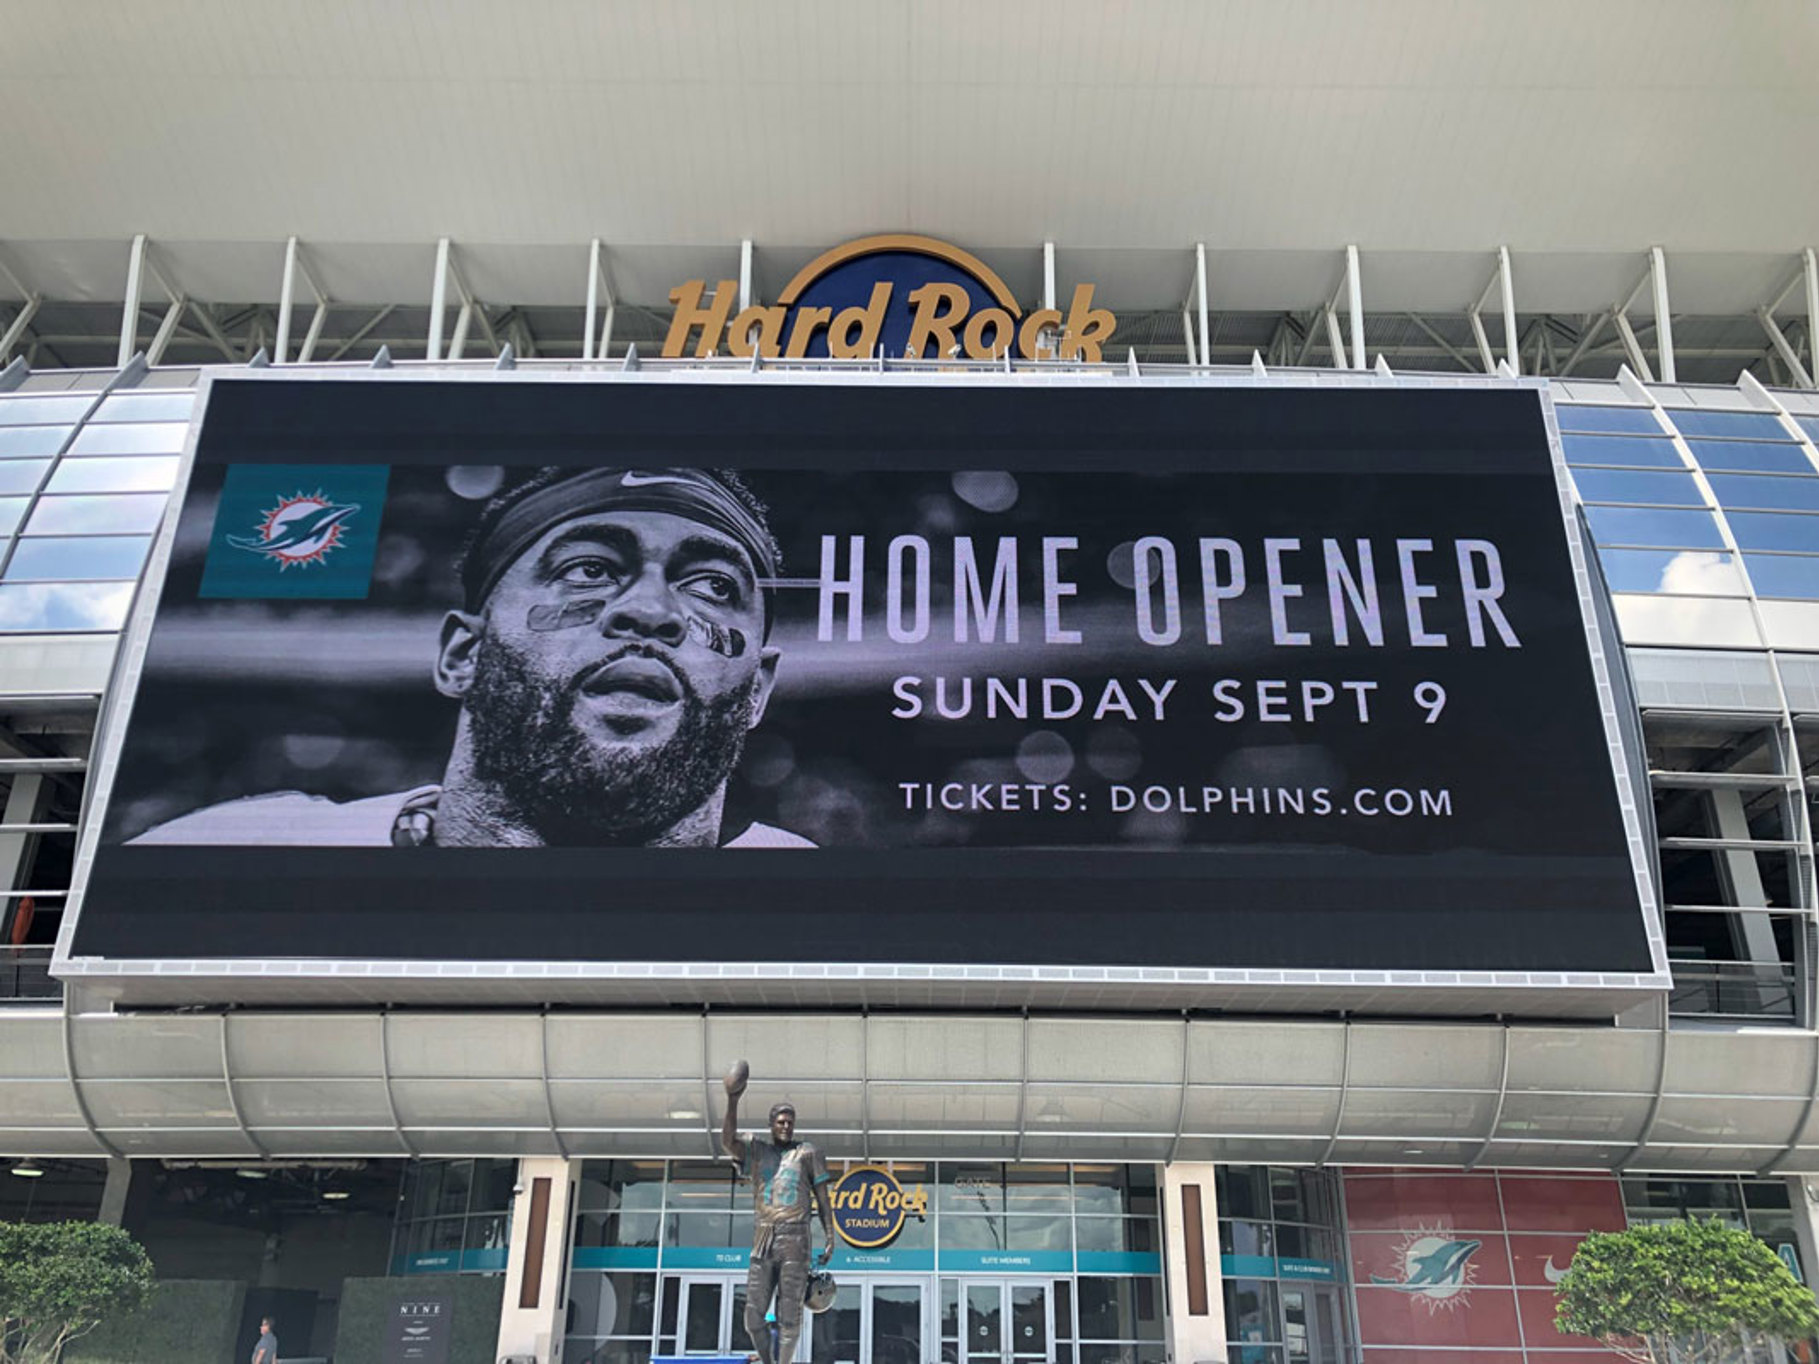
896 294
1238 678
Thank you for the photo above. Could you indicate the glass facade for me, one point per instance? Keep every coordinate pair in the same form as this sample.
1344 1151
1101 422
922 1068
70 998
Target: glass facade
1058 1261
454 1216
1759 1206
1281 1241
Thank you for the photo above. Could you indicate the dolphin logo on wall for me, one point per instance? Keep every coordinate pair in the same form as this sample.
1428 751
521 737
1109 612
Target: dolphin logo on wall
1438 1268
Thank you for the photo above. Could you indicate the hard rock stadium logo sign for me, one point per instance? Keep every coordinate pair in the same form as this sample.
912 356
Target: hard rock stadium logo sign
897 295
870 1206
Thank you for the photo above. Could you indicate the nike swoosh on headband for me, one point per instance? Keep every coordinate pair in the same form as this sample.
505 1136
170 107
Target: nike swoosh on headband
632 479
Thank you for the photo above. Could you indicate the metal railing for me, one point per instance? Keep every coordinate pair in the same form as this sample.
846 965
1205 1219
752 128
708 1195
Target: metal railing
1733 989
25 976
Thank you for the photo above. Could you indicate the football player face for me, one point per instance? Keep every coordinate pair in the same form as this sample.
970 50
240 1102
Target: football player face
615 669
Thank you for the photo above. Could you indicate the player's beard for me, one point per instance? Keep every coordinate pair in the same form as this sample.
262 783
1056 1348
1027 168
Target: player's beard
572 789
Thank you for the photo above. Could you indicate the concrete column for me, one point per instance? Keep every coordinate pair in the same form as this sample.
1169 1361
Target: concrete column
536 1268
1190 1239
113 1193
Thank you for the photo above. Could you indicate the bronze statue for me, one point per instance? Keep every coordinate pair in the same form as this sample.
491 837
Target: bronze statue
785 1174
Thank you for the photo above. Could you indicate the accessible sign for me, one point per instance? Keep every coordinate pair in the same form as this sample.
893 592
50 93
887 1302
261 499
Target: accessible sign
1234 678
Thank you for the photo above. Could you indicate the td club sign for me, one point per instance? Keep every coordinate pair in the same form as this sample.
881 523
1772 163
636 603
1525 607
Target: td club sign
897 294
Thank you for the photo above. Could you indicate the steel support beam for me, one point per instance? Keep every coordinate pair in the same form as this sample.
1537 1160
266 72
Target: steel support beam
1187 338
438 301
129 310
16 329
1354 291
745 274
1048 275
1809 269
287 293
1507 284
1664 322
166 330
1784 349
1206 332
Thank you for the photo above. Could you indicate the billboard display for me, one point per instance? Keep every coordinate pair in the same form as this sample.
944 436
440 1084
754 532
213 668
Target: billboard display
500 669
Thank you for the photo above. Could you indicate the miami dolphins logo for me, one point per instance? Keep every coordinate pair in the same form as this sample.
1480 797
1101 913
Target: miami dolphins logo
299 530
1436 1268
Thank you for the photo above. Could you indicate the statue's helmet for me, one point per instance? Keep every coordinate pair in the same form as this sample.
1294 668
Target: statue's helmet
818 1296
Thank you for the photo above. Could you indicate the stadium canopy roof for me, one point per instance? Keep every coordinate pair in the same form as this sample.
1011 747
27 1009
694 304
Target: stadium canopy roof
1275 132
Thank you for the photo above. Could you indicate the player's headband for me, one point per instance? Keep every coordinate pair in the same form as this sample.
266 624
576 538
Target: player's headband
681 492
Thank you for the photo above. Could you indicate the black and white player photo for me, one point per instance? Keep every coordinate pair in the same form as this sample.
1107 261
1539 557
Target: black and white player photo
609 658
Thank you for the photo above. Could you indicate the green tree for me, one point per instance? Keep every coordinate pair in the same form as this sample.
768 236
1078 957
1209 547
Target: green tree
58 1280
1684 1292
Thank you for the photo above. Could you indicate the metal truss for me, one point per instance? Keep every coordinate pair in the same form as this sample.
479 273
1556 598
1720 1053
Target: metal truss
166 322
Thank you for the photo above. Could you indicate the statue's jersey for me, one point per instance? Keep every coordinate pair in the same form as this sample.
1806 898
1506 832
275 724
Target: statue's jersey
783 1180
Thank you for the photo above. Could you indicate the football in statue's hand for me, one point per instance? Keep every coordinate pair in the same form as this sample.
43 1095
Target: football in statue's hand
736 1078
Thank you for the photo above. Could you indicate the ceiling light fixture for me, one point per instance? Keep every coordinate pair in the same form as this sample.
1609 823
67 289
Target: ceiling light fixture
335 1195
29 1169
245 1173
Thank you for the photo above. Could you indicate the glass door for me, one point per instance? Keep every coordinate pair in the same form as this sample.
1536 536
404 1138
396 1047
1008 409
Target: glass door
710 1316
895 1325
1005 1321
1310 1325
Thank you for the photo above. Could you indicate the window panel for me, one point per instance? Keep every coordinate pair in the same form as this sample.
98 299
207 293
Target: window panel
1784 575
22 475
64 606
1694 421
11 509
1629 485
1810 425
172 406
31 411
1635 420
1636 526
1766 491
1699 572
91 557
156 438
23 441
1769 530
1751 455
114 475
96 515
1630 451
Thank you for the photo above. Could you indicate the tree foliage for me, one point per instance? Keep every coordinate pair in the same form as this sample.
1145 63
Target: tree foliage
59 1280
1683 1292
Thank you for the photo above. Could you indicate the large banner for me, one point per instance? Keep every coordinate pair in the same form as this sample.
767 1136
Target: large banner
501 669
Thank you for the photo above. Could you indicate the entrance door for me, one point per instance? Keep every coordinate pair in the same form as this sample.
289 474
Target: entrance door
710 1316
1005 1321
1310 1325
895 1321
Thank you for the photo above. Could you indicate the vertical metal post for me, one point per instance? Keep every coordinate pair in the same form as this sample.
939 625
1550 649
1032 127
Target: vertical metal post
1187 335
129 316
1664 323
1206 332
438 301
745 274
1508 284
1354 288
593 299
606 331
1048 274
287 292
